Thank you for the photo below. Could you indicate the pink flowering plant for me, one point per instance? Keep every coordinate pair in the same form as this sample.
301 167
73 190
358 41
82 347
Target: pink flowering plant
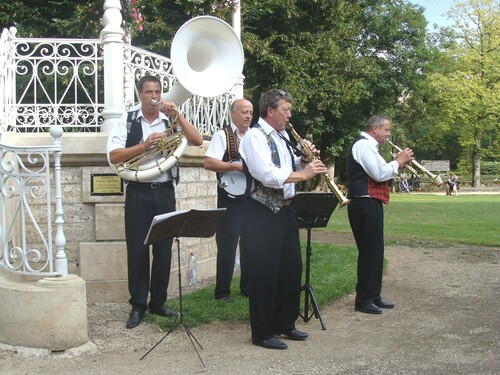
131 13
219 8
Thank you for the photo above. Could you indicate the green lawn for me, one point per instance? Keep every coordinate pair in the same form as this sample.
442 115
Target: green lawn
466 219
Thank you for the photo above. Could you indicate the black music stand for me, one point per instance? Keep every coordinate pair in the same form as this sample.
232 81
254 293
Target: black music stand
313 211
186 223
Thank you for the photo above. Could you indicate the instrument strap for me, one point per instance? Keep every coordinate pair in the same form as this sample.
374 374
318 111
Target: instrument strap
232 144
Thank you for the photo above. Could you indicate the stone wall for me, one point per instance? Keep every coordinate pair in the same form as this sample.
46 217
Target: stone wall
94 224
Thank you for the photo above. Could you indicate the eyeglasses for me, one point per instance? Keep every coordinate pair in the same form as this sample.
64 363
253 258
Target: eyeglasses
280 94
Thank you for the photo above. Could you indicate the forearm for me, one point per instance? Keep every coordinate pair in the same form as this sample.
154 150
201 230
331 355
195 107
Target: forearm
192 134
220 166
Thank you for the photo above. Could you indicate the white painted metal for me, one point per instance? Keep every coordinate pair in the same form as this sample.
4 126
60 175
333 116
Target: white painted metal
25 184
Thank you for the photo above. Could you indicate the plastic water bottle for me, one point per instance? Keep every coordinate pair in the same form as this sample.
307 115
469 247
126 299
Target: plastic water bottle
237 260
192 274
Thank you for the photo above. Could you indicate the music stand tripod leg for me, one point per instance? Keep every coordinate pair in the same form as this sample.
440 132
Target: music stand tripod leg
180 315
308 288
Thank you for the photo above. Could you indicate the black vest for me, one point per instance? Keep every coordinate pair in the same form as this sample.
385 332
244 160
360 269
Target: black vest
134 137
359 183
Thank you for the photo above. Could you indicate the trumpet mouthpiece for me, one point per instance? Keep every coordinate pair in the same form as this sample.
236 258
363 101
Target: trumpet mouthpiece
155 102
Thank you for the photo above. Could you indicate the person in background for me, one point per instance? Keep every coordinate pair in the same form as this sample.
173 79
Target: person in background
136 133
270 229
414 182
453 184
367 182
223 156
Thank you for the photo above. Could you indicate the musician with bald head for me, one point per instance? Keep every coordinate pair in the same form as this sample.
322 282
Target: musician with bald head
368 176
137 132
223 158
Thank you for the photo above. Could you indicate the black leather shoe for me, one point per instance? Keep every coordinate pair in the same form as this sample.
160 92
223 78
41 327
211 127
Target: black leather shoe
296 335
383 304
134 319
272 343
163 311
368 308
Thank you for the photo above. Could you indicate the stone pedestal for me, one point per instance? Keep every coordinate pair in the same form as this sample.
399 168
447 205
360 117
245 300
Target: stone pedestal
50 313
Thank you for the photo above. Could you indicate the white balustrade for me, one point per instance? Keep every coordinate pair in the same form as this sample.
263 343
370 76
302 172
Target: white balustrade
72 82
26 209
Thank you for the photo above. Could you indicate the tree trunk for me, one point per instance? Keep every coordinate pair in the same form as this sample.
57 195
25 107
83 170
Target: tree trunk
476 160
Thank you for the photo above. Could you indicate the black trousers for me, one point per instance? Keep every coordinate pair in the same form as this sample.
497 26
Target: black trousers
227 237
141 204
275 269
366 217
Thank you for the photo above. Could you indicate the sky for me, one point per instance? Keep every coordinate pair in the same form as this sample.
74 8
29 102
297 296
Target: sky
435 11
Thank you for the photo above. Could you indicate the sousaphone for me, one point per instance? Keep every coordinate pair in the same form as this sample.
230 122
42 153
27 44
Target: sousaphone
207 60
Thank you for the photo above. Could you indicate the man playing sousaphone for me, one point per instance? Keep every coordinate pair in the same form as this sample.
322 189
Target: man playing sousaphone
137 132
223 157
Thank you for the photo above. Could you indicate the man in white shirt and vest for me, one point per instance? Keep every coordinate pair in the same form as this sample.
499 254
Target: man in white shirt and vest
223 157
270 230
136 133
368 188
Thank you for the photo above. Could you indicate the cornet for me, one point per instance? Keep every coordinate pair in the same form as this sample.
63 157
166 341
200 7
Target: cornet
306 151
436 179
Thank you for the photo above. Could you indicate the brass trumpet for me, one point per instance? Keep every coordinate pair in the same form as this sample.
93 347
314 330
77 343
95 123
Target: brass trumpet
306 151
436 179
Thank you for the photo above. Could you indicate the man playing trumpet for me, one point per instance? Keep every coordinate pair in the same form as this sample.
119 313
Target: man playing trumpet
368 175
136 133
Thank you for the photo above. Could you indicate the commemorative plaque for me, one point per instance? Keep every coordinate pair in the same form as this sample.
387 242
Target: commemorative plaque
106 184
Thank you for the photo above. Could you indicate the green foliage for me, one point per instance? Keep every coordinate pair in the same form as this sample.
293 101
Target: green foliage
490 168
356 62
466 90
363 57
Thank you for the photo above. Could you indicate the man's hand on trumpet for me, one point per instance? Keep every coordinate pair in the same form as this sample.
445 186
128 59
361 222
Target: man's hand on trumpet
404 157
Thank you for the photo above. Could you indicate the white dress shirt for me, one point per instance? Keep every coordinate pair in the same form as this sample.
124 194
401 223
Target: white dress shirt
257 155
365 152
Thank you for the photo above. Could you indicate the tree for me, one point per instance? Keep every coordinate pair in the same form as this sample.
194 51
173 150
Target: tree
467 88
342 62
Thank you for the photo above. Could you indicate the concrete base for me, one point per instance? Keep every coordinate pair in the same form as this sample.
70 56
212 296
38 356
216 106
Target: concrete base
50 313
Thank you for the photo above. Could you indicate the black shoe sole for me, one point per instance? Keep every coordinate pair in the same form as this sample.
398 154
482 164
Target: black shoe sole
360 309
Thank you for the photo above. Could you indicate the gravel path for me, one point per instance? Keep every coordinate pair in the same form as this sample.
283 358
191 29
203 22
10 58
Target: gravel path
446 321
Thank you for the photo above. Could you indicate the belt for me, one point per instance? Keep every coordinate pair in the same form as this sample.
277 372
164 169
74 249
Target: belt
151 185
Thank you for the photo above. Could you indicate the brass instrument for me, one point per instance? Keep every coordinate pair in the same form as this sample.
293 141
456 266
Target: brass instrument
436 179
207 58
170 142
306 151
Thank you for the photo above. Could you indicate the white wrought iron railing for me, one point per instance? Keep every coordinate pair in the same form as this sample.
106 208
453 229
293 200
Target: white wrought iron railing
207 114
26 221
45 82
